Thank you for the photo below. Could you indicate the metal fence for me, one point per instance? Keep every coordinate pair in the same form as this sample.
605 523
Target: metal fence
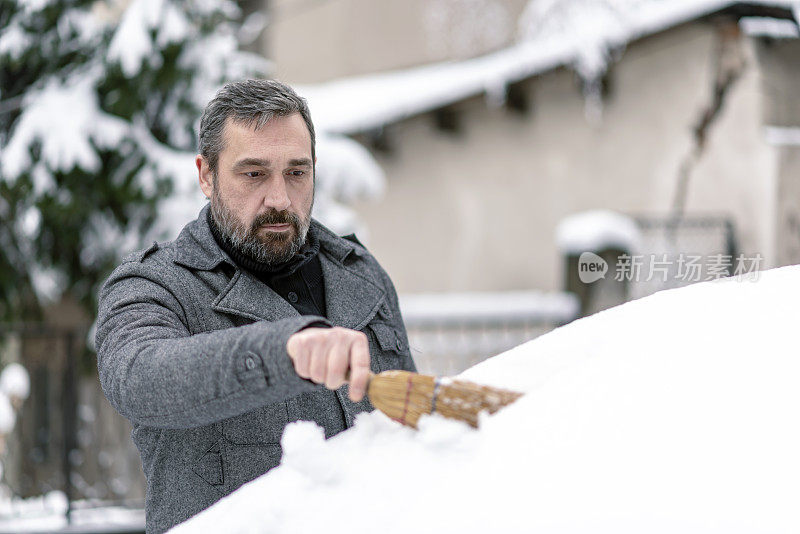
667 245
449 332
66 439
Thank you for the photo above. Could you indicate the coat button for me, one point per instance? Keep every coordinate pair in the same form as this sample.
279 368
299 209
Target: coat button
250 363
292 296
399 344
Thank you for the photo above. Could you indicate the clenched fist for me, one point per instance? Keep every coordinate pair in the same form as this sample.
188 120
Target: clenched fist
324 355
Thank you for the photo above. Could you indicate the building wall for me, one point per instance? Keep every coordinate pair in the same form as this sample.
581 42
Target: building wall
312 42
477 209
781 81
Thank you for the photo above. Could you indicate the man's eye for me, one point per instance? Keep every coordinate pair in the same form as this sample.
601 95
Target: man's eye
297 173
253 174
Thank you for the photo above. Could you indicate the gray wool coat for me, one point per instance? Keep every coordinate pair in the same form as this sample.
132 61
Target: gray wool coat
192 350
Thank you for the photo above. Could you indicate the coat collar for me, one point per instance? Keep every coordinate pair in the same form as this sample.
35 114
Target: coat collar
196 248
352 298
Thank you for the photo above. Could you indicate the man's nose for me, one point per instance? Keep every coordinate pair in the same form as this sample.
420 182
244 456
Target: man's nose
276 196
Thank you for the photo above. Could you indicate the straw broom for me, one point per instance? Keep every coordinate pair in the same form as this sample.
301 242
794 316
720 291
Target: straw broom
405 396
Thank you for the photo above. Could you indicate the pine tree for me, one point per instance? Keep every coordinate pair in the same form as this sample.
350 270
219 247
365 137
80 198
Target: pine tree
97 116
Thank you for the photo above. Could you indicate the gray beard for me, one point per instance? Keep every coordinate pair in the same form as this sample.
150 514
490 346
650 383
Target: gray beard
271 250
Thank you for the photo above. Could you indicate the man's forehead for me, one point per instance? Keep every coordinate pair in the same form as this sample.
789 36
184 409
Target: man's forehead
244 142
259 123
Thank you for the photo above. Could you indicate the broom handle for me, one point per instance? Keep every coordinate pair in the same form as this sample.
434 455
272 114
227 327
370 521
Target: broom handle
347 375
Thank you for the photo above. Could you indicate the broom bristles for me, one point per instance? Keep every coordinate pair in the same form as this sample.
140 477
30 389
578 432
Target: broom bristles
406 396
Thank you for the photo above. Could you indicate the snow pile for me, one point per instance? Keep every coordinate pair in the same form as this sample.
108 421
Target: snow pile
517 306
672 413
597 230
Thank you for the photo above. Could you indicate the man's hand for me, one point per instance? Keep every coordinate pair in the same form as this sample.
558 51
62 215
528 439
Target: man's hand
323 355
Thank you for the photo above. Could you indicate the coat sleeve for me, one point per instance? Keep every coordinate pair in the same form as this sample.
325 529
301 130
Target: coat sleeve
156 373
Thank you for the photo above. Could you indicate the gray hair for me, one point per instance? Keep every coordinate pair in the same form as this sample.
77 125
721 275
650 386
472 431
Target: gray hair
249 102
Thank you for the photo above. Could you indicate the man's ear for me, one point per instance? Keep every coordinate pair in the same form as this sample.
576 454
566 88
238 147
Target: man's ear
205 175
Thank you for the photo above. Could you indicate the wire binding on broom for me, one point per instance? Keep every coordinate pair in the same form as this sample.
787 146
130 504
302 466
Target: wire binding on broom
405 406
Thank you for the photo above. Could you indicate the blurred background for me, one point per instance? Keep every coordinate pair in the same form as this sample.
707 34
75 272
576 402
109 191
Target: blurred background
485 151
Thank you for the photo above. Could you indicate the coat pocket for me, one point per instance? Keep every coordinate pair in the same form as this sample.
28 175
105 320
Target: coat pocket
391 346
245 463
209 466
260 426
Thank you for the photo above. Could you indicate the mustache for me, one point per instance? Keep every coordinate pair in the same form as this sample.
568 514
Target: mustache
274 216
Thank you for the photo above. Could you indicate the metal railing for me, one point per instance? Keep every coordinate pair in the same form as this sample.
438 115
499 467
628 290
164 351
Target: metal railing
47 437
450 332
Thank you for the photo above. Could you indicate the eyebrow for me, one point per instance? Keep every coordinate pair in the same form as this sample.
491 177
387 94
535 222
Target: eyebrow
301 162
258 162
251 162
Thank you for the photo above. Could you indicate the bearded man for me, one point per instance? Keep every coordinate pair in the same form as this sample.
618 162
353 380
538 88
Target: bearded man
212 343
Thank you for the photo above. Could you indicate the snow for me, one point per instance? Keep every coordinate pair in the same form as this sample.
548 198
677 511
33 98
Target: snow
551 33
29 6
46 514
65 119
782 135
14 381
595 231
14 40
345 173
132 44
494 307
672 413
7 417
356 104
769 27
346 170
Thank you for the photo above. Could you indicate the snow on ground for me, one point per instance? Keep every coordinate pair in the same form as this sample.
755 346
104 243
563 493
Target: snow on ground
46 513
597 230
672 413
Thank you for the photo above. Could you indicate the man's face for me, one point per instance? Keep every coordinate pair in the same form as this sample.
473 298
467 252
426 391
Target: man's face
262 194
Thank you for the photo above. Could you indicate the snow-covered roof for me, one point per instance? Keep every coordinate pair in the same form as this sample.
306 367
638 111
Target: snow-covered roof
597 230
669 413
769 27
552 33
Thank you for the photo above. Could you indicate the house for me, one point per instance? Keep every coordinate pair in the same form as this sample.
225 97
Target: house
658 110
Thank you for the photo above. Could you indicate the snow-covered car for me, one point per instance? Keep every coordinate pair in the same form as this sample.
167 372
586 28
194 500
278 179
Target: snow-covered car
673 413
